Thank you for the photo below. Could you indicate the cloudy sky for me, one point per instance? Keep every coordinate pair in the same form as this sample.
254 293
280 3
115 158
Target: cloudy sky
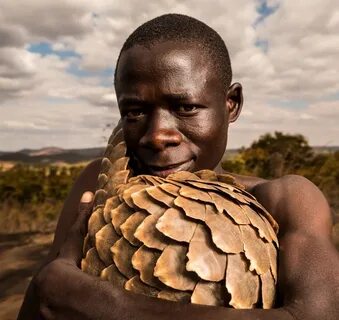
57 60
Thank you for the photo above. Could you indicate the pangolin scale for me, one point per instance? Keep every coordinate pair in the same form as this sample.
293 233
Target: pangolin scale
191 237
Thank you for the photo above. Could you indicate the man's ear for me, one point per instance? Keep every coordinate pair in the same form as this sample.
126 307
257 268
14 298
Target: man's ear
234 100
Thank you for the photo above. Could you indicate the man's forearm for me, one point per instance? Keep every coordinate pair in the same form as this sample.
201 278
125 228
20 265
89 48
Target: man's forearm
166 310
103 301
72 294
30 307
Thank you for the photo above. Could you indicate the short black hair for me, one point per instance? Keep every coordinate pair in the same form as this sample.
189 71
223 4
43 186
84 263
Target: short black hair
182 28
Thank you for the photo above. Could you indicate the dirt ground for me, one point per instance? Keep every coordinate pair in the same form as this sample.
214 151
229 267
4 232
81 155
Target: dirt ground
20 256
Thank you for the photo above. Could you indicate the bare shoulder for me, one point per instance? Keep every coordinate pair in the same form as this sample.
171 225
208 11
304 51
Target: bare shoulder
86 181
296 203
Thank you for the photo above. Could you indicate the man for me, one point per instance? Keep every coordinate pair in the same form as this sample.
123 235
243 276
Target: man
173 88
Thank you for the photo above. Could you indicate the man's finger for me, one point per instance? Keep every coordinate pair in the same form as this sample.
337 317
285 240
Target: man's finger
71 250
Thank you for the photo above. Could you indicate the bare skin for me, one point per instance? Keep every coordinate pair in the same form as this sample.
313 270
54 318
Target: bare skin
175 116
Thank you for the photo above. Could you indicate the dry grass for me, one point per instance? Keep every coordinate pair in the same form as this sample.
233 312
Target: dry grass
15 218
6 165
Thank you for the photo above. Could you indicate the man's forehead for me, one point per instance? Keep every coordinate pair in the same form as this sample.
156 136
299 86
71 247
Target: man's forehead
164 51
170 68
165 61
170 78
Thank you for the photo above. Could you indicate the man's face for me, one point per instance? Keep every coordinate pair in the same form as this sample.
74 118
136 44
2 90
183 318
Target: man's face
173 108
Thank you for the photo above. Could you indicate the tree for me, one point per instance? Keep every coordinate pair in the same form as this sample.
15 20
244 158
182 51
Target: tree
272 156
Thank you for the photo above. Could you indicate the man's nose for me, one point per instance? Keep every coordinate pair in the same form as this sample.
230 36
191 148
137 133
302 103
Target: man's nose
161 131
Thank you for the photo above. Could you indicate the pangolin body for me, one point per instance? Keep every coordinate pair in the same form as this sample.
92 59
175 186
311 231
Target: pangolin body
191 237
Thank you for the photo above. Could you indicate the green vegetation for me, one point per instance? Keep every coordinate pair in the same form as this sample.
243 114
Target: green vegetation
31 196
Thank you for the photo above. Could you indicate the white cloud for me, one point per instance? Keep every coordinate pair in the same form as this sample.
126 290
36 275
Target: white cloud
303 48
12 124
69 125
300 63
12 35
318 122
48 19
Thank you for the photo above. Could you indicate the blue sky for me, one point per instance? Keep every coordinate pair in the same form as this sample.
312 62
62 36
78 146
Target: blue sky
45 48
265 9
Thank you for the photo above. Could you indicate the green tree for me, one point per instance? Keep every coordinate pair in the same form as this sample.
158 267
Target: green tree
272 156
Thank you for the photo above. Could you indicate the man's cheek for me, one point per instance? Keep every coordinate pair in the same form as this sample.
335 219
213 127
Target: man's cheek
215 141
131 139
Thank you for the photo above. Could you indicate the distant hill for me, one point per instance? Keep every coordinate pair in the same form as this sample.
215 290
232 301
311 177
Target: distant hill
45 151
322 149
55 154
52 154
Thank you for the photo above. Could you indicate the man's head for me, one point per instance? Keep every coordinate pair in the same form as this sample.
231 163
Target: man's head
173 87
187 30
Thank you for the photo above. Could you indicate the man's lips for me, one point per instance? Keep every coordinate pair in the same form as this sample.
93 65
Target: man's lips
165 170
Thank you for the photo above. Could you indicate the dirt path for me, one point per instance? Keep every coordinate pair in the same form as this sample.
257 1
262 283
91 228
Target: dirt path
20 256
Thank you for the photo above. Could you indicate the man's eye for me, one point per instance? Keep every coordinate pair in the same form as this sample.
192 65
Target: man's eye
186 109
134 114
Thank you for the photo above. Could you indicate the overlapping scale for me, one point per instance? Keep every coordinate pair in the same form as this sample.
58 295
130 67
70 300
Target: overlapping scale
129 227
113 275
125 194
92 264
104 240
149 235
100 198
267 289
175 295
123 252
144 260
192 208
209 293
119 215
204 258
143 201
255 250
191 237
171 269
242 284
272 255
175 225
225 233
135 285
161 196
111 204
95 222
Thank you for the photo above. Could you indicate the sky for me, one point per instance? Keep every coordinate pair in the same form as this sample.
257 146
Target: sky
57 60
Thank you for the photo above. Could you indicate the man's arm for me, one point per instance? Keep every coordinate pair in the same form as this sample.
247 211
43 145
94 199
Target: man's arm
85 182
308 261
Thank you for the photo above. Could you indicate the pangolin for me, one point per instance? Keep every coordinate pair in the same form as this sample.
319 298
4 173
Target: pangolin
190 237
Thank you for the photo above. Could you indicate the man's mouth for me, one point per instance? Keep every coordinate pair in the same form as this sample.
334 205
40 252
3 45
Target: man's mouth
164 170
